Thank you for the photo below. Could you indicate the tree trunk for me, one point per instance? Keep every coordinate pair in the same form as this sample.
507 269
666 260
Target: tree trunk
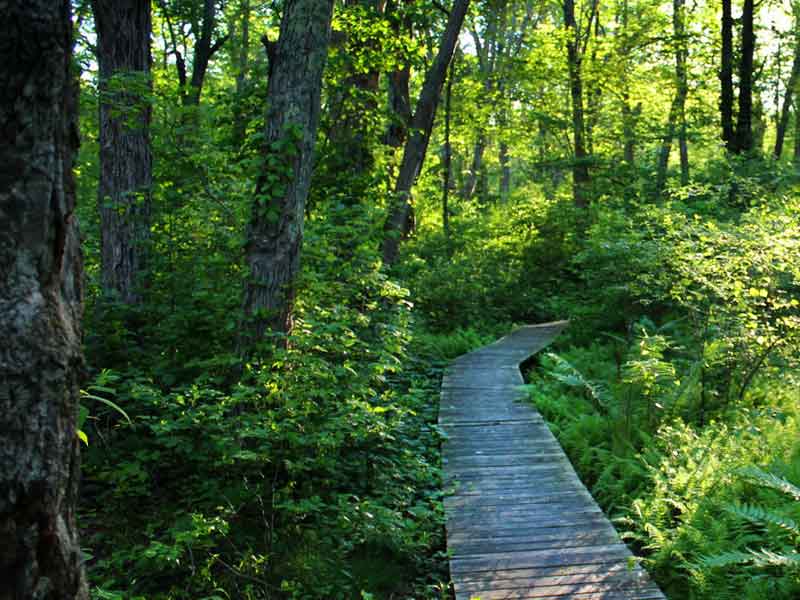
350 133
726 76
41 289
505 172
447 166
204 50
398 223
126 165
398 80
677 111
681 55
239 120
475 168
744 141
580 168
796 153
783 120
275 232
666 149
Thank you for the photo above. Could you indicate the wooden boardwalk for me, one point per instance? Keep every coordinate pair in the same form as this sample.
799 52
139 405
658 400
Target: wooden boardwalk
520 523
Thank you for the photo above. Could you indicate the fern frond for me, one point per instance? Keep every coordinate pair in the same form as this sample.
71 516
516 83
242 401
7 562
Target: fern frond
725 559
768 558
773 481
761 516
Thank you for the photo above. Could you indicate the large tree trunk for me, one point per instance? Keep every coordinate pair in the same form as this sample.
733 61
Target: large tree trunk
41 361
580 168
726 76
275 232
398 223
744 141
783 120
126 164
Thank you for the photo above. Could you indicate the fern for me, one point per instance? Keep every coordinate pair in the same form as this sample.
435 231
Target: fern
567 374
761 516
772 481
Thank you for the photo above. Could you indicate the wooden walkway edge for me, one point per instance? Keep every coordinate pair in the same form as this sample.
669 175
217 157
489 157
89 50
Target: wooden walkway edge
520 524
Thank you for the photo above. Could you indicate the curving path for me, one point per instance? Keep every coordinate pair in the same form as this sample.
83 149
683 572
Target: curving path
520 524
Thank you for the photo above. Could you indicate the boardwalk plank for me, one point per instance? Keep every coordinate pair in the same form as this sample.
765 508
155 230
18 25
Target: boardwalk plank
520 524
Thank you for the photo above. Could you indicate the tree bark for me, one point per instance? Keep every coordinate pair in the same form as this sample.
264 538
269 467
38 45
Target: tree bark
275 232
580 168
726 77
126 165
41 289
744 141
398 223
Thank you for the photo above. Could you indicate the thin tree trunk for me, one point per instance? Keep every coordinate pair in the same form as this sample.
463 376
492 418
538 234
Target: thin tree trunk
126 165
666 149
505 172
447 167
681 55
783 120
41 294
398 85
475 168
580 168
239 121
744 142
275 232
399 221
726 76
796 153
204 50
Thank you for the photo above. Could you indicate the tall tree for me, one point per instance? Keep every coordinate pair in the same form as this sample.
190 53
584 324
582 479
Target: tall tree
726 76
399 221
275 231
677 113
575 50
203 26
744 140
123 53
41 360
242 72
791 84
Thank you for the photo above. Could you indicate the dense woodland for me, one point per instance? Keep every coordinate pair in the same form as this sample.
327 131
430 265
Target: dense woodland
293 213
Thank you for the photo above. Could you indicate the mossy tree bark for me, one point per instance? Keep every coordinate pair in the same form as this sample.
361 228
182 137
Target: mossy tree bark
275 231
41 360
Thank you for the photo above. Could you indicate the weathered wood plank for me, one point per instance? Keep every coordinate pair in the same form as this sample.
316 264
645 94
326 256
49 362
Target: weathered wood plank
520 524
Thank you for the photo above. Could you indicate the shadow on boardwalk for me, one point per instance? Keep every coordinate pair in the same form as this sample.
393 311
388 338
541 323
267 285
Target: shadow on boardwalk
520 523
